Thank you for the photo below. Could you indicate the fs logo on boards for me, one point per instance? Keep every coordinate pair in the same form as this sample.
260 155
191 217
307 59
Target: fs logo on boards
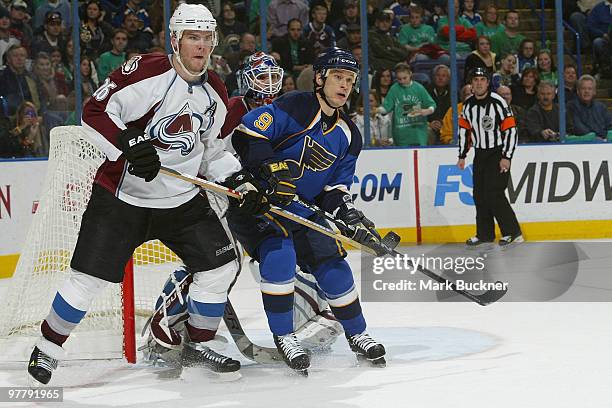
371 187
536 182
450 180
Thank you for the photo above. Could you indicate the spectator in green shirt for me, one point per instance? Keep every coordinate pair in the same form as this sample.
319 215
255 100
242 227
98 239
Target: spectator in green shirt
416 34
111 60
489 26
411 104
546 67
509 40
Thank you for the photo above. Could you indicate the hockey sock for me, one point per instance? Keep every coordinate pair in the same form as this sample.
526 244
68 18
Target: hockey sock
207 298
336 279
70 304
277 269
204 319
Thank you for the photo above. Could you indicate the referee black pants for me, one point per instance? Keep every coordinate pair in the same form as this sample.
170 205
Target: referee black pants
490 196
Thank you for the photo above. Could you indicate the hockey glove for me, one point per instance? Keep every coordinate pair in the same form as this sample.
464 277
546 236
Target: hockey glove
276 173
253 201
360 228
141 155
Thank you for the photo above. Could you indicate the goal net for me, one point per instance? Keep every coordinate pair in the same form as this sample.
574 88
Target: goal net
107 331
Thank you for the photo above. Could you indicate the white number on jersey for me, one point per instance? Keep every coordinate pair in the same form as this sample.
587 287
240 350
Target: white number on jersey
104 90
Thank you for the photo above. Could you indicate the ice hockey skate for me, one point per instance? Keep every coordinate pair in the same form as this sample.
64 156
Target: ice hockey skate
367 349
293 353
44 360
207 354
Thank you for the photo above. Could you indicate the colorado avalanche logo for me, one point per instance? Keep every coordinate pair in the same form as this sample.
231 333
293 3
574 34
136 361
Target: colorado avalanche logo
130 66
177 131
314 157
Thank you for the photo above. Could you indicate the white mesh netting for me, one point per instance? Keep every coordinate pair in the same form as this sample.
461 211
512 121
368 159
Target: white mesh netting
45 259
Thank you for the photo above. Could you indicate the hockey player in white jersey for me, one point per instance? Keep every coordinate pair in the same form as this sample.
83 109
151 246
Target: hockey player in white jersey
156 110
259 79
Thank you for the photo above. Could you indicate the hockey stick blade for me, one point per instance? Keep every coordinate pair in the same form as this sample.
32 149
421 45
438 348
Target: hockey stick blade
484 299
259 354
387 246
391 240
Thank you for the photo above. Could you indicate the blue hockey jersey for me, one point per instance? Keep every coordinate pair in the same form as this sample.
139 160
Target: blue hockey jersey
321 161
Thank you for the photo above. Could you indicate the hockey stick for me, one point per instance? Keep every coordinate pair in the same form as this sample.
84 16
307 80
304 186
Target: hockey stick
259 354
217 188
483 299
375 248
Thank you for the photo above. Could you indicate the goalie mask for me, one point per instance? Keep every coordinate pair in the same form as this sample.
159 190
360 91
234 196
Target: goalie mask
260 78
194 17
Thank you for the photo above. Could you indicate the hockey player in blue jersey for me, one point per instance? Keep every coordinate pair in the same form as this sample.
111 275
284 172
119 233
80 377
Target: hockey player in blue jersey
303 144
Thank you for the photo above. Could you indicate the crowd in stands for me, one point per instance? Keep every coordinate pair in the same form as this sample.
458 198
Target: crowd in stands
410 100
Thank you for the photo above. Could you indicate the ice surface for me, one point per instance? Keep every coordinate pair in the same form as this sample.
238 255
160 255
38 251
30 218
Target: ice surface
447 355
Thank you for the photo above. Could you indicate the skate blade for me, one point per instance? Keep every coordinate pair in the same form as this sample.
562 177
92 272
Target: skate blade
198 373
379 362
297 372
300 373
483 248
34 383
511 245
170 373
226 377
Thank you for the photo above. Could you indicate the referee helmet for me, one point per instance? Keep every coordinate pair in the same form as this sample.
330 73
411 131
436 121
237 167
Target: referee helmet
480 72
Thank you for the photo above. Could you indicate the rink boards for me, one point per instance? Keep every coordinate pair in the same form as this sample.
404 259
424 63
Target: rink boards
558 192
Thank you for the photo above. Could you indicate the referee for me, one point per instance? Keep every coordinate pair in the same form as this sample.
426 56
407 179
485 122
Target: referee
487 123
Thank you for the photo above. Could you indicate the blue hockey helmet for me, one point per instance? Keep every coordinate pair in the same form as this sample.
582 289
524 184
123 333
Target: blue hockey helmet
260 78
336 58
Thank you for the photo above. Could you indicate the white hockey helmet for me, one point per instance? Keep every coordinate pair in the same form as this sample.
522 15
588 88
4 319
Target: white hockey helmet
192 17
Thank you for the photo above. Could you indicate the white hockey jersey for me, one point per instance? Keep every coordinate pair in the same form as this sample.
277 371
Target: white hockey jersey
182 119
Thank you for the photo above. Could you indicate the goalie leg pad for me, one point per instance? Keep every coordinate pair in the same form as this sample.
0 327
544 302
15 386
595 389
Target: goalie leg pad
171 310
319 332
70 304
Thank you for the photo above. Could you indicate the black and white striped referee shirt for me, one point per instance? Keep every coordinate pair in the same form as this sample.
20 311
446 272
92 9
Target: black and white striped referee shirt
486 124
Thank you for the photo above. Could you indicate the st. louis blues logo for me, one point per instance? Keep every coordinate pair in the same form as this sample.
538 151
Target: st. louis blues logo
313 157
177 131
